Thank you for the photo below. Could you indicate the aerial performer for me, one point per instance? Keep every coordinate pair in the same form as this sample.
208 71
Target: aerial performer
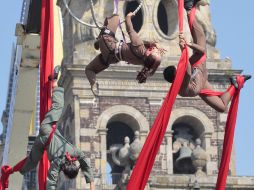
189 79
61 153
137 52
195 81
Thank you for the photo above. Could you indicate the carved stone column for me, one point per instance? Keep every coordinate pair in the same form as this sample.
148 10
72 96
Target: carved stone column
207 146
103 147
143 136
168 137
77 133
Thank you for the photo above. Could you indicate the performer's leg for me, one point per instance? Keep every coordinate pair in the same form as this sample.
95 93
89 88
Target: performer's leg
35 154
226 97
219 103
56 109
94 67
228 94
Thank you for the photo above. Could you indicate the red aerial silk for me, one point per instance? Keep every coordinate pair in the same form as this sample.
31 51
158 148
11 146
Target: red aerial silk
46 68
207 92
228 136
7 170
148 153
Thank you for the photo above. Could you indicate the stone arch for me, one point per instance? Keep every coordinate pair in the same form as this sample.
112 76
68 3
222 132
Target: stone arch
204 121
124 113
129 112
194 117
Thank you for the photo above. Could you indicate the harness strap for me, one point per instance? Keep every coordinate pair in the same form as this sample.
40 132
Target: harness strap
107 32
120 26
118 50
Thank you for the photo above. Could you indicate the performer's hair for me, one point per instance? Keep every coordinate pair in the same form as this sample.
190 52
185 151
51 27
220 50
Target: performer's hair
149 61
70 169
149 44
169 73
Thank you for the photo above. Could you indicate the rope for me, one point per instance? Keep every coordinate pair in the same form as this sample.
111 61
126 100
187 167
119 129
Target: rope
95 25
136 11
115 7
76 18
94 19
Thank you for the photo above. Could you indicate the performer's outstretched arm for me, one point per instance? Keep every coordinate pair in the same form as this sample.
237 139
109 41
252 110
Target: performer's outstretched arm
53 174
182 45
198 48
135 40
85 166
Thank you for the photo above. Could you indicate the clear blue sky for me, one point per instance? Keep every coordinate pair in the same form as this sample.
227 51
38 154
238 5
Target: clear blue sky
235 39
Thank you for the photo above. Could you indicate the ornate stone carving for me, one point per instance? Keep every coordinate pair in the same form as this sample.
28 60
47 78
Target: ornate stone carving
199 158
126 155
135 147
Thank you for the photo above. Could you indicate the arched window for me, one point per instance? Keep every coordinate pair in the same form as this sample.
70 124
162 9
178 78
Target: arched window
162 18
167 21
186 130
117 131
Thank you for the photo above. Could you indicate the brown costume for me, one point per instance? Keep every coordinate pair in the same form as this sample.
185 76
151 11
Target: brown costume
113 51
196 78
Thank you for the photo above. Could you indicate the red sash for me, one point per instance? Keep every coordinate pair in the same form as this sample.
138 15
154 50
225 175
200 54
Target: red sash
148 153
7 170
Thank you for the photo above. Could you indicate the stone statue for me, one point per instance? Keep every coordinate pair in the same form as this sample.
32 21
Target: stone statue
135 147
199 158
126 156
121 154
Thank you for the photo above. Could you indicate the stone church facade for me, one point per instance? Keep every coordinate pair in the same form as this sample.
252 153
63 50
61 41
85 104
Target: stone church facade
123 106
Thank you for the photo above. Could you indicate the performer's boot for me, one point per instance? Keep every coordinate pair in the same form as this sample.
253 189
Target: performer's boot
95 88
233 80
56 73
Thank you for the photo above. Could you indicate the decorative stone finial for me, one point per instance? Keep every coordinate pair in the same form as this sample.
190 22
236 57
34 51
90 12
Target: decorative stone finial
199 158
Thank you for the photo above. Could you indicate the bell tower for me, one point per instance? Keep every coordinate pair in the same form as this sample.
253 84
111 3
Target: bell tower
190 153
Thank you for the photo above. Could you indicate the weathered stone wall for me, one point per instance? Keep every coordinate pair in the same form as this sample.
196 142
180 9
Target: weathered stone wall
87 116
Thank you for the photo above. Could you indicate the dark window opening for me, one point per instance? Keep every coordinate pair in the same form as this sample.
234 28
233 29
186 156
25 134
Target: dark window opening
162 18
34 17
116 133
137 20
183 135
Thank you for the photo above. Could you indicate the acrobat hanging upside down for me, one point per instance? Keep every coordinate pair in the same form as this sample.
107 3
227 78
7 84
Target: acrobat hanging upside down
137 52
61 153
195 81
